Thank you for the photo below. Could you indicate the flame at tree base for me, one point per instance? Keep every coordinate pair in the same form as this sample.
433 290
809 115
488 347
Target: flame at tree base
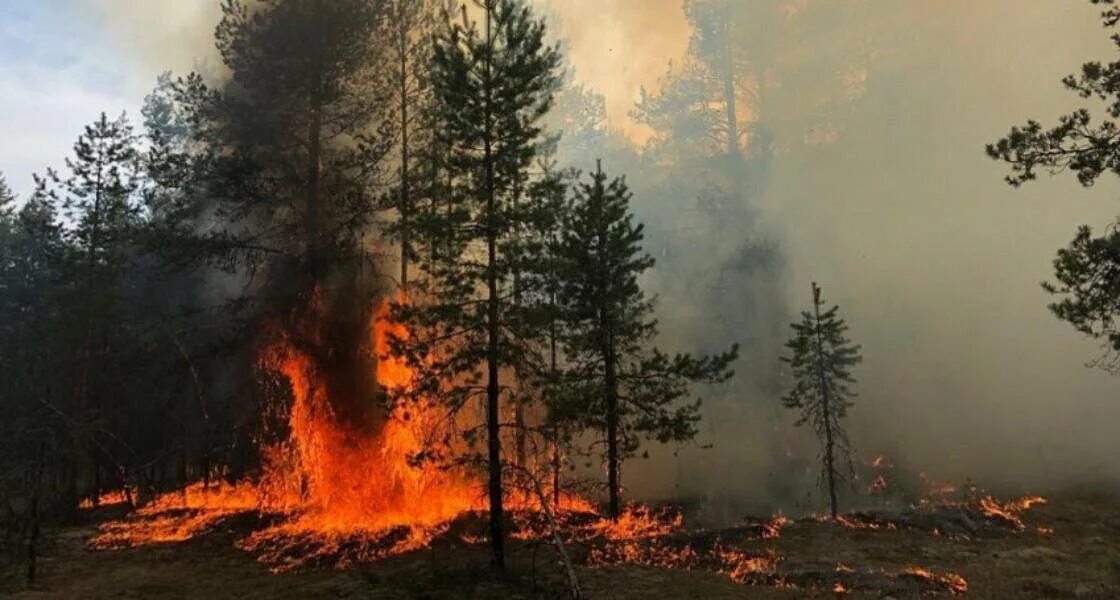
333 490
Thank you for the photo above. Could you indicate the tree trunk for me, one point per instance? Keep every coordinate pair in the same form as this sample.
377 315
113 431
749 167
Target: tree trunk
314 176
730 102
553 342
405 199
611 381
81 392
493 390
520 437
33 517
826 415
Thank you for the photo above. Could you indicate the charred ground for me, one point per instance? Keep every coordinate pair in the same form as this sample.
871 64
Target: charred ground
1066 547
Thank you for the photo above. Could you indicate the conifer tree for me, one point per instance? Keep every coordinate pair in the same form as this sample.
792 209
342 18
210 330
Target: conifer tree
7 199
820 361
98 195
492 83
295 133
1087 271
410 25
622 386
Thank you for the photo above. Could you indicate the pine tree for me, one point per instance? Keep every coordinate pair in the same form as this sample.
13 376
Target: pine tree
99 196
7 199
820 360
36 348
410 25
1087 271
296 133
492 84
621 386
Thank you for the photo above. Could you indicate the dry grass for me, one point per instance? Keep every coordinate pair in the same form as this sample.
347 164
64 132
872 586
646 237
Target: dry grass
1080 559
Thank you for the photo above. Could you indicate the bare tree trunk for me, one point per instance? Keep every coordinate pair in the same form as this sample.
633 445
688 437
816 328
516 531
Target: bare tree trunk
730 102
314 176
557 539
33 517
81 391
829 460
406 184
493 389
613 459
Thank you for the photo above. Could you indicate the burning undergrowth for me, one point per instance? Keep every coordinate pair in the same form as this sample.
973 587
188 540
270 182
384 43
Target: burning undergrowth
345 482
344 487
646 538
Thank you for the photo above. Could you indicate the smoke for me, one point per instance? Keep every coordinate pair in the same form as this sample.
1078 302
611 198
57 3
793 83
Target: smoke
888 201
160 36
616 48
883 196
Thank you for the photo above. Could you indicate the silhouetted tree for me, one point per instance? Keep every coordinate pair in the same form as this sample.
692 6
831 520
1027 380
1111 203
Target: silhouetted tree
820 361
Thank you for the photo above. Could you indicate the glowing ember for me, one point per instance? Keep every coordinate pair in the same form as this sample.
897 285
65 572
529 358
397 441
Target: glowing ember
950 581
741 567
638 522
772 529
879 462
110 498
1009 511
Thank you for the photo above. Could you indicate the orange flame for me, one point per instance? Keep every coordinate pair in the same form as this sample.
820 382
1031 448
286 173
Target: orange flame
333 480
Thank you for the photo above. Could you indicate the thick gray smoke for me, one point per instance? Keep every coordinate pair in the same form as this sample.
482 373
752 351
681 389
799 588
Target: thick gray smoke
888 201
884 196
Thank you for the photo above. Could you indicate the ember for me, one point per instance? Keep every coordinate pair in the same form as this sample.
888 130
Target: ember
772 529
1009 511
951 581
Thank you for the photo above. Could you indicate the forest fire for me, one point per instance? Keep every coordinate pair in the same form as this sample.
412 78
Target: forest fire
331 481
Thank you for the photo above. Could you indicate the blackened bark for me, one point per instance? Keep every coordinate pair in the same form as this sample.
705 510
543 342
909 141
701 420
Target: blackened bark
493 389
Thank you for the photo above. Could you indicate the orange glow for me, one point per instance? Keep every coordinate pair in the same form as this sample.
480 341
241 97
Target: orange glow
338 477
772 529
349 486
950 581
110 498
740 566
177 516
638 522
1009 511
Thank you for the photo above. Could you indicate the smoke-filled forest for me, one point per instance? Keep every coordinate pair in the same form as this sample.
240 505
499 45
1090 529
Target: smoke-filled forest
559 299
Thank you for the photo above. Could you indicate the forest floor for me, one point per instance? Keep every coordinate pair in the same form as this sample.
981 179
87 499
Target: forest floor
1069 547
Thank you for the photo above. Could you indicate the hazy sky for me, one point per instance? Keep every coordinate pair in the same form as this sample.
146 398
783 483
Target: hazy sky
900 216
64 61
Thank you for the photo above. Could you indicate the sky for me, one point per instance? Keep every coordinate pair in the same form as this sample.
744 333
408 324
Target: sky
63 62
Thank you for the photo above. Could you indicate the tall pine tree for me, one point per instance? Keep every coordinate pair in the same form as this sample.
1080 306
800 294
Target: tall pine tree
492 83
623 387
820 360
99 196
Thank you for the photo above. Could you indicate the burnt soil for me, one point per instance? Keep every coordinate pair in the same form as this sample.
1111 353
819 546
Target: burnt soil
1079 559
